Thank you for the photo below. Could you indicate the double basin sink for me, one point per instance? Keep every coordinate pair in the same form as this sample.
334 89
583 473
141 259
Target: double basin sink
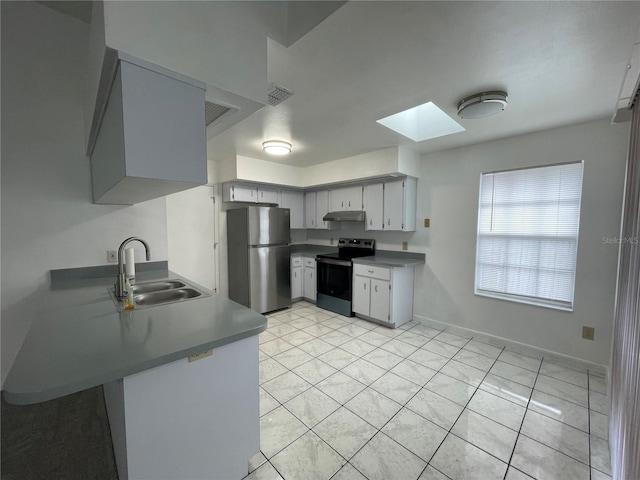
162 292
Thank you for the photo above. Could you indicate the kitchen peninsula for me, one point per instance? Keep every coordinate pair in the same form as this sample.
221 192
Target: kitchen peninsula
169 417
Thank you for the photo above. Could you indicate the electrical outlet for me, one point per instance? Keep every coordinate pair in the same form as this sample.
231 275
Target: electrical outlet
332 241
112 256
405 245
427 223
588 333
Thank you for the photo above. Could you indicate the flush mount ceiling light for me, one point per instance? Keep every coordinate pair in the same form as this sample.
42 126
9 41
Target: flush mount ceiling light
276 147
482 105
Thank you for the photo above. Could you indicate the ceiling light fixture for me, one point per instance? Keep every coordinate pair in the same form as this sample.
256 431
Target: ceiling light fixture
482 105
276 147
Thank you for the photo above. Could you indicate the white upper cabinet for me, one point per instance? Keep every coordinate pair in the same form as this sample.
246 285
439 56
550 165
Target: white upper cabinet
310 210
373 206
322 208
266 195
400 205
388 206
294 201
239 193
316 206
346 198
391 205
151 141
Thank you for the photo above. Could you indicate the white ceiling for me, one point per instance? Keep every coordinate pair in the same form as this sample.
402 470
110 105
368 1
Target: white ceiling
560 62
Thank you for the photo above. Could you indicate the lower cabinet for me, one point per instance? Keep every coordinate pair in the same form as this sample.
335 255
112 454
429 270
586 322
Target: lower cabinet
309 282
303 278
383 294
296 278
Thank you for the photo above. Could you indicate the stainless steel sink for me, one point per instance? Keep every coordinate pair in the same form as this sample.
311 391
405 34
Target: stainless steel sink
165 296
156 286
161 292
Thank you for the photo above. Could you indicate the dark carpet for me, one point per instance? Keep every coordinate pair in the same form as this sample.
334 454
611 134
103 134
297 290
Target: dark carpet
66 438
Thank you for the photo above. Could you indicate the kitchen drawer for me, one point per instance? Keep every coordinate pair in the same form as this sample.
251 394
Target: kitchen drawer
296 261
372 271
309 262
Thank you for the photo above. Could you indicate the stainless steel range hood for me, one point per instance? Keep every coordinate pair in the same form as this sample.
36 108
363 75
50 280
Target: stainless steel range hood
346 216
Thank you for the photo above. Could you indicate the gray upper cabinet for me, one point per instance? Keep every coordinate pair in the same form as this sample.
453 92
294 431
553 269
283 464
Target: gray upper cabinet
152 138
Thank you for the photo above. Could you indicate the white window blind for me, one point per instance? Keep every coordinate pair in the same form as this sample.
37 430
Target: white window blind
528 234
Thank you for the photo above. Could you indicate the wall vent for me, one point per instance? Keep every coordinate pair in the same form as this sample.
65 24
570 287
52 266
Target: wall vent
213 111
278 94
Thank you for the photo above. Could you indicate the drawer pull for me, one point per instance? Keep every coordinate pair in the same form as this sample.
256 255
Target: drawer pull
370 271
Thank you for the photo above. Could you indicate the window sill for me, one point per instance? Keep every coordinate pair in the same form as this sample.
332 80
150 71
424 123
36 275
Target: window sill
526 300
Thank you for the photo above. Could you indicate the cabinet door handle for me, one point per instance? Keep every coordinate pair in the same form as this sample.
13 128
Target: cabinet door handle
376 288
370 221
388 221
295 274
364 285
370 271
349 202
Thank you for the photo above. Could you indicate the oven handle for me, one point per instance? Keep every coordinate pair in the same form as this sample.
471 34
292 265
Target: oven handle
331 261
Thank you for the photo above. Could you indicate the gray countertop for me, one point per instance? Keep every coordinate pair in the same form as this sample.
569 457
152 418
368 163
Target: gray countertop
310 250
80 340
391 259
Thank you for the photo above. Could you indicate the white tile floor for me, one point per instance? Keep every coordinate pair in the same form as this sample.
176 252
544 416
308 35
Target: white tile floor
345 399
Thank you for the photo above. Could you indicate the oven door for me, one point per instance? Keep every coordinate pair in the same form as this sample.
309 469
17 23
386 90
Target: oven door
334 278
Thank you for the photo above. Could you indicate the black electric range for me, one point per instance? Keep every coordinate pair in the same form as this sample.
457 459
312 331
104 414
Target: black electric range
334 272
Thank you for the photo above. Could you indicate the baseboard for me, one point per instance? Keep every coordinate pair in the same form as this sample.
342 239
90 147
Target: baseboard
518 347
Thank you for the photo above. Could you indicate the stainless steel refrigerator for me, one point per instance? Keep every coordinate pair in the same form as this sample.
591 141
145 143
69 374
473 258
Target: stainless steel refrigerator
258 257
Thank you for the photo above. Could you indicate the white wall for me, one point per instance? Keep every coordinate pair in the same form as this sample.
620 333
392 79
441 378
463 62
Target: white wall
448 195
48 220
191 235
371 165
223 44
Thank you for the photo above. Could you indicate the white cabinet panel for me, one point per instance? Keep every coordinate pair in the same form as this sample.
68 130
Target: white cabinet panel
322 208
373 206
309 283
310 210
241 193
361 294
380 299
383 294
294 201
266 195
393 192
296 282
135 156
347 198
400 205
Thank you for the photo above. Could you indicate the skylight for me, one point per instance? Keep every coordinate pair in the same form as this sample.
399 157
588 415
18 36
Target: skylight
422 123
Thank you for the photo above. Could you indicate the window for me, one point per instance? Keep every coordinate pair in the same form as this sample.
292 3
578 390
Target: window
528 234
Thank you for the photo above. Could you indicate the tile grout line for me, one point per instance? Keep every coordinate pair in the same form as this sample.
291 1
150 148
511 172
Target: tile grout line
524 417
404 358
449 432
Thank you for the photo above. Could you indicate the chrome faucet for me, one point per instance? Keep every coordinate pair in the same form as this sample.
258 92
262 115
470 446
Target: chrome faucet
120 282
